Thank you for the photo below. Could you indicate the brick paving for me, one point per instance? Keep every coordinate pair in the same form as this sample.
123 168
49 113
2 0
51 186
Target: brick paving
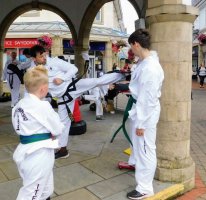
198 143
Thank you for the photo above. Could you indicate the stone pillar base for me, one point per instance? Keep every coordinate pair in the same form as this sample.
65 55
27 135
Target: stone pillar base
185 175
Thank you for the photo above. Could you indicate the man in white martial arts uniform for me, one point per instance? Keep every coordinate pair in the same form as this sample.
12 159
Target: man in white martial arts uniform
61 77
145 87
13 81
36 123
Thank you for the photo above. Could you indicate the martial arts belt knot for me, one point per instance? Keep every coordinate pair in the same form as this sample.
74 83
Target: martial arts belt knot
125 117
26 139
71 87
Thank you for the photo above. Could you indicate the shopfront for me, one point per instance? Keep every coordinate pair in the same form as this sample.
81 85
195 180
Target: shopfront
17 45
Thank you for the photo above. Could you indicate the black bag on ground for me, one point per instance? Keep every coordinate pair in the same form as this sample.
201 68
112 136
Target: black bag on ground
17 71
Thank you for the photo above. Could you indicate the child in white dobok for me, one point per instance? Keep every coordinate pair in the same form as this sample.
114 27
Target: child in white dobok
36 123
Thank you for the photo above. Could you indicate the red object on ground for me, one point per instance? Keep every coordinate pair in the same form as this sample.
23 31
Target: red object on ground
76 113
125 165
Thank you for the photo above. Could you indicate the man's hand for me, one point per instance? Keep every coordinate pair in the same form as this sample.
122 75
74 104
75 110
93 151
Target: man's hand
139 132
58 81
111 86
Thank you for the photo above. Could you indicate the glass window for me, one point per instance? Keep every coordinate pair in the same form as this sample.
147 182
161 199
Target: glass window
98 18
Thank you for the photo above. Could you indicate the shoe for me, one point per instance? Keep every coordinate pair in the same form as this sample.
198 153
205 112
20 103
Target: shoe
125 165
99 118
48 198
61 154
137 195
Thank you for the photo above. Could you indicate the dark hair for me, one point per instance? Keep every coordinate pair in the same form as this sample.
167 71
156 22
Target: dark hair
141 36
26 52
36 49
61 57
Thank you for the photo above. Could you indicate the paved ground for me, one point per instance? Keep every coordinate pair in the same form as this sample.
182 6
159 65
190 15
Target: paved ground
91 172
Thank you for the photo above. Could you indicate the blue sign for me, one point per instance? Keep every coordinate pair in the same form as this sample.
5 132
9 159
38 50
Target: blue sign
94 46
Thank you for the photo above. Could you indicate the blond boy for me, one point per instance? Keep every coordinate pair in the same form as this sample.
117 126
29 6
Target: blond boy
37 124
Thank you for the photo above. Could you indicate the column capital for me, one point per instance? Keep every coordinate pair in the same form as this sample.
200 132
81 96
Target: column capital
156 3
171 12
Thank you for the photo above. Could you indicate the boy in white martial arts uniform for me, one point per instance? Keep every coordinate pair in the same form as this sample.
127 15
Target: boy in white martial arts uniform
36 123
145 87
61 76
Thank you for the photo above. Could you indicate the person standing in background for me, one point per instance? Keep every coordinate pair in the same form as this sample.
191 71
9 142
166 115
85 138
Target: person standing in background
13 81
202 74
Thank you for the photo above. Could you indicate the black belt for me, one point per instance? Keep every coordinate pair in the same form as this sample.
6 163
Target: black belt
72 87
11 79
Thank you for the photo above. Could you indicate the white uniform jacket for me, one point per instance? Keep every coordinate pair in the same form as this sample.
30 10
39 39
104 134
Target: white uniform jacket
34 116
58 68
145 86
25 65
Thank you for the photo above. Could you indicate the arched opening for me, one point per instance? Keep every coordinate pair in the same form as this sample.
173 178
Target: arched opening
25 30
28 27
116 32
22 10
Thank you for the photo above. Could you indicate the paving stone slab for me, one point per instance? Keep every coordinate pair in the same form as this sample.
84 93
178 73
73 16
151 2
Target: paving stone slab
74 157
81 194
87 147
119 196
10 170
9 190
2 177
103 166
73 177
112 186
8 139
5 154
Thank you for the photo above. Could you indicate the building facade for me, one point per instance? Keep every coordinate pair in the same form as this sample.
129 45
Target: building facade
199 47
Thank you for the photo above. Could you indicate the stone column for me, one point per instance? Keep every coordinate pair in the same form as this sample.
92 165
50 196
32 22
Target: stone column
57 46
79 61
108 57
1 69
170 24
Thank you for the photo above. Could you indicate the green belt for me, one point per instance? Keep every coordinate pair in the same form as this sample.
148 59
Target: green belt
34 138
125 117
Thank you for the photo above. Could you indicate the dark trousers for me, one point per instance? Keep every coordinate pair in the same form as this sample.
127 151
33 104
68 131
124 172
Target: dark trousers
202 78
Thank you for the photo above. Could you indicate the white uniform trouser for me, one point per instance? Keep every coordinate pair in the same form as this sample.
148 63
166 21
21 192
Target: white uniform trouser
96 97
82 86
37 174
15 91
144 159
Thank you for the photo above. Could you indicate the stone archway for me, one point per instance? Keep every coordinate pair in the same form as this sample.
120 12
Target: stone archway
82 42
11 16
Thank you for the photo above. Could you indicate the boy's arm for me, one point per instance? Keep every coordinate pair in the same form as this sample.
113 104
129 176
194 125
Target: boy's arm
52 121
